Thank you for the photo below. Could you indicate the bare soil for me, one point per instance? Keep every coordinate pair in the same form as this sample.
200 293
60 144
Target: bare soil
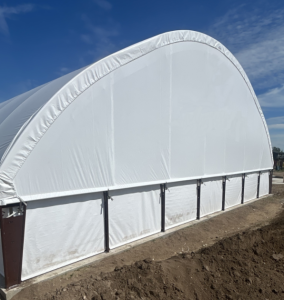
235 255
278 173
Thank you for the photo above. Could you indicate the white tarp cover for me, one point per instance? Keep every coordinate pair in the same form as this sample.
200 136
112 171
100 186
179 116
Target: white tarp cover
134 214
211 196
250 191
175 107
233 191
181 203
18 110
62 231
264 184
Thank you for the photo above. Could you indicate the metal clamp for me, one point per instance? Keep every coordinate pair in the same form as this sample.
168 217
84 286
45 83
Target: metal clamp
108 196
166 187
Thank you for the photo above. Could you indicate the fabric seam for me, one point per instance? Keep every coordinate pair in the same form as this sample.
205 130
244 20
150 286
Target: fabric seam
239 68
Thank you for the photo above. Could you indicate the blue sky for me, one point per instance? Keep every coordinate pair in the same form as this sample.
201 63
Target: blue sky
43 40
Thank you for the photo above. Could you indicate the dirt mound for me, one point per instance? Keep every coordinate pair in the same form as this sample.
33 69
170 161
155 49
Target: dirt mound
249 265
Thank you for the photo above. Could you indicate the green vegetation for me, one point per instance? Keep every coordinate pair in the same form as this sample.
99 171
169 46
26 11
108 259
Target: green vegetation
278 150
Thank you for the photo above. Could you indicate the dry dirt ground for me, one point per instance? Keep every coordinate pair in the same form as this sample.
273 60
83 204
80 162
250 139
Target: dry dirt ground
278 173
235 255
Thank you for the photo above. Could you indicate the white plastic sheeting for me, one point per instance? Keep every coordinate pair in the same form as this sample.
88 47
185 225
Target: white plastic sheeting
134 214
233 191
250 186
18 110
211 196
62 231
175 107
264 184
181 203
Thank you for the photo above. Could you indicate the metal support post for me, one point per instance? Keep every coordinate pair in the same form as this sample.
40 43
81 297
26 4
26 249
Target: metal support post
270 181
243 187
106 222
224 192
258 184
163 207
198 189
12 219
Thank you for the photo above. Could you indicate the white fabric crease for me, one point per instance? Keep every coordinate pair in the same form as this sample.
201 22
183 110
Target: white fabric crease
177 95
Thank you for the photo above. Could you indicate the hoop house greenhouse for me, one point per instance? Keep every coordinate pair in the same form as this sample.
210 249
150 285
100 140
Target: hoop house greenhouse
158 134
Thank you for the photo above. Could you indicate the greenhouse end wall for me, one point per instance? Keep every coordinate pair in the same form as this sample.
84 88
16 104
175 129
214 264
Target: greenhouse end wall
153 136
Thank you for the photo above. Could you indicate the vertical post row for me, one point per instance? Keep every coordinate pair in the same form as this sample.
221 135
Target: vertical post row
224 192
163 207
106 222
12 237
198 188
243 187
258 183
270 181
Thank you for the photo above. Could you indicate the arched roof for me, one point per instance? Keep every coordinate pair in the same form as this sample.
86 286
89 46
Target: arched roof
18 110
25 119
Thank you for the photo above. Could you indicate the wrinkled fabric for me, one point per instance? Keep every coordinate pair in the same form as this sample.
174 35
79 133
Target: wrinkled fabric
133 214
211 196
181 203
62 231
233 191
264 184
250 191
175 107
